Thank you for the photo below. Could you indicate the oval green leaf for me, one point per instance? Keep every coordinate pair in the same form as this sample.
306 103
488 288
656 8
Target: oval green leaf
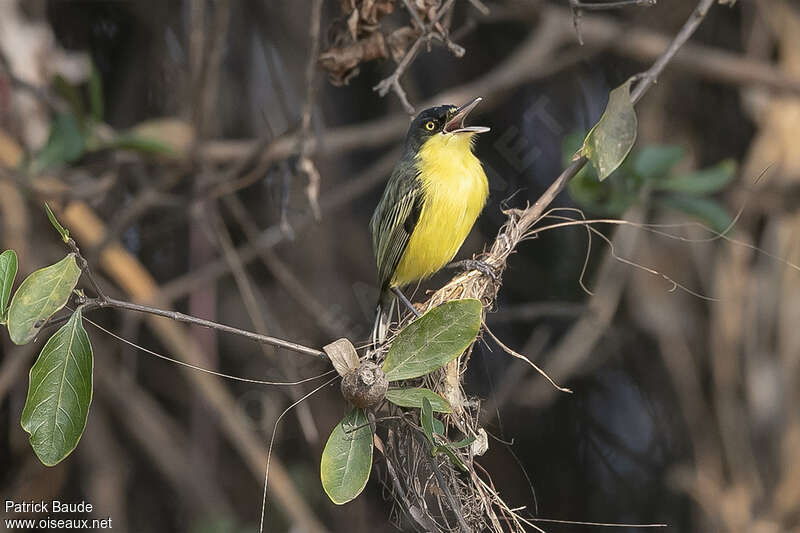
59 393
656 160
66 143
8 271
347 458
426 420
41 294
705 181
609 141
413 397
434 339
708 210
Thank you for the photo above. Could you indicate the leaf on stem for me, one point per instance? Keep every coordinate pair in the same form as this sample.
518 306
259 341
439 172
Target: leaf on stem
347 458
412 397
8 271
426 419
610 140
434 339
59 393
39 296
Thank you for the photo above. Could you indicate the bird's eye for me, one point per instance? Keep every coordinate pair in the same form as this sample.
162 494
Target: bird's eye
430 125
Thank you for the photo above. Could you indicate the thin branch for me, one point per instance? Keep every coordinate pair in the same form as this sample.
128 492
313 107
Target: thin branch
428 33
601 6
97 303
579 7
83 264
688 29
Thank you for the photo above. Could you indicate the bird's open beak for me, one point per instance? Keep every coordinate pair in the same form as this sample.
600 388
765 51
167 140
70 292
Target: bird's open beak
456 122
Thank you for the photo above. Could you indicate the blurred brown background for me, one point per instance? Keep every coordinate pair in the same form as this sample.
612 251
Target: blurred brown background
685 409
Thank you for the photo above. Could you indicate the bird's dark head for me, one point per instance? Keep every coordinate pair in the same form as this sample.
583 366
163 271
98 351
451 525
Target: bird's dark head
442 120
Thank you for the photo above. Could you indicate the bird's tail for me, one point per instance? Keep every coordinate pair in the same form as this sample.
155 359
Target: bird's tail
383 317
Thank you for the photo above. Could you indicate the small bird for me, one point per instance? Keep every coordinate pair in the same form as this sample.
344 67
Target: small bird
433 197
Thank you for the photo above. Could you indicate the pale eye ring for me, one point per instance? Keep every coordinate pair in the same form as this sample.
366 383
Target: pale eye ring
430 125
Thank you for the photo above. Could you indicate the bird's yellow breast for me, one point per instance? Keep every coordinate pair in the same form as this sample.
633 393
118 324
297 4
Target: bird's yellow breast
455 190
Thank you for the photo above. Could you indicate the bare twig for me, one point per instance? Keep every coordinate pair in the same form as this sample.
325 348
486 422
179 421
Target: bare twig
690 26
602 6
578 8
83 264
429 32
97 303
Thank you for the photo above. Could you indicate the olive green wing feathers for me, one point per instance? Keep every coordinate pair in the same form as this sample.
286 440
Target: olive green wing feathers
394 219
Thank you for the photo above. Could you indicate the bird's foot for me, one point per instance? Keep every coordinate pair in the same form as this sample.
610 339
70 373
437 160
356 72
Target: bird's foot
476 264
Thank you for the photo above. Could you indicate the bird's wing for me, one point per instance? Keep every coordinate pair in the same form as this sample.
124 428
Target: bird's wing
394 221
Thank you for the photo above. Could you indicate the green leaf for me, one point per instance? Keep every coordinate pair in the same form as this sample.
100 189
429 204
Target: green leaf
96 94
66 143
59 393
139 143
454 458
706 181
56 224
39 296
8 271
426 419
438 427
434 339
347 458
463 443
413 398
707 210
611 197
656 161
610 140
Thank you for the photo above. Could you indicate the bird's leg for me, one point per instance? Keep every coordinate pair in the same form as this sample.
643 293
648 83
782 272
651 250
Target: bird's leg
402 298
475 264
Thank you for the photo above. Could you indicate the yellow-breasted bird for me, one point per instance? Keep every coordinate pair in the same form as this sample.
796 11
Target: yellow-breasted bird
433 197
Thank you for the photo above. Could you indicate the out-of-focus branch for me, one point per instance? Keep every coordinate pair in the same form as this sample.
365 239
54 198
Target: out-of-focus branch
598 31
306 165
258 317
272 236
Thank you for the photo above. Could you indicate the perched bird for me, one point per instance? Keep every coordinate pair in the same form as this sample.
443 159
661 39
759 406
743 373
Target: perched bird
433 197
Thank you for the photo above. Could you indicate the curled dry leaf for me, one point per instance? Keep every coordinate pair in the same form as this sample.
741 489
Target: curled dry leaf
356 40
373 10
343 356
342 62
